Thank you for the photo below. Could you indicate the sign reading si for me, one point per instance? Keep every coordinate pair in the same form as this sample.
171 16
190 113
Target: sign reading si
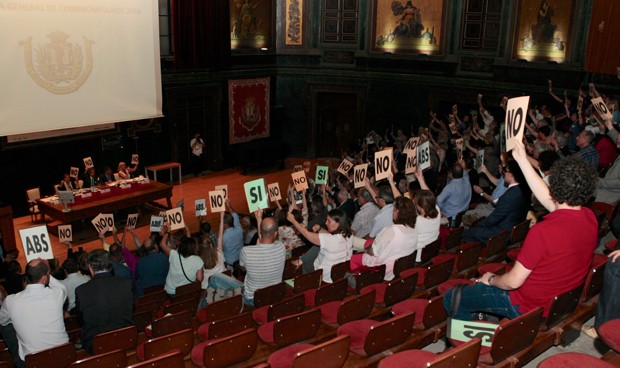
132 221
383 164
157 222
601 108
88 163
467 330
201 207
36 243
255 194
516 113
74 172
216 201
65 233
424 155
224 188
359 175
175 218
299 180
321 175
103 222
345 167
274 192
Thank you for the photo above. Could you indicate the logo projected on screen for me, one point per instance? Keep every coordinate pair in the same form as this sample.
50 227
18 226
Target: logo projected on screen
59 66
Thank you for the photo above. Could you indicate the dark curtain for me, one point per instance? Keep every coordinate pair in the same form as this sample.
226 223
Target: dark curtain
201 33
603 53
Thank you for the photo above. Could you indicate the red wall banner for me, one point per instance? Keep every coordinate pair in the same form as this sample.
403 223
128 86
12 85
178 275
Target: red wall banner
248 109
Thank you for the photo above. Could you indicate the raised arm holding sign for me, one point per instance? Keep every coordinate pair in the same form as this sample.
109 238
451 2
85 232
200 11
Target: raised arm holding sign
175 218
516 113
601 108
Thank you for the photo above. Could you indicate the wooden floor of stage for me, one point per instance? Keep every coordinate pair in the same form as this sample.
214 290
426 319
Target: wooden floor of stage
192 188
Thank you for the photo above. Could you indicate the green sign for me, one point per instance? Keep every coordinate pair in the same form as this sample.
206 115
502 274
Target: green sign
467 330
321 175
256 195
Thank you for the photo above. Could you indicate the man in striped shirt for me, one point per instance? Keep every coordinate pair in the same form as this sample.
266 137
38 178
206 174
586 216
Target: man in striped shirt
264 262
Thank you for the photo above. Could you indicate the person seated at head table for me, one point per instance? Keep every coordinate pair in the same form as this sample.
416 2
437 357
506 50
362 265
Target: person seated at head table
124 172
107 176
68 183
90 179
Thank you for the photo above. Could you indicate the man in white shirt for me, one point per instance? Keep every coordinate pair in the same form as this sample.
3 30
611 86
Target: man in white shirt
364 217
73 280
197 145
36 313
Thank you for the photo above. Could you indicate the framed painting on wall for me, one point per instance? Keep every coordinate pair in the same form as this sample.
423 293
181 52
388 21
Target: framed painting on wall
543 30
408 26
293 15
248 109
250 24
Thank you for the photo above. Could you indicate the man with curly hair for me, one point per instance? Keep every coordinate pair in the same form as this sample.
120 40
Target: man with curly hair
556 254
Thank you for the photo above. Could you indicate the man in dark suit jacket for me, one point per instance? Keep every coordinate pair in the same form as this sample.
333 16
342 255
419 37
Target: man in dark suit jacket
511 208
105 303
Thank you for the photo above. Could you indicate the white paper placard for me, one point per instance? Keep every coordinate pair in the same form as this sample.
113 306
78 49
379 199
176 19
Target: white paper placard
74 172
516 113
201 207
135 158
297 168
424 155
103 222
383 164
411 164
299 180
345 167
216 201
132 221
157 222
65 233
307 166
411 145
479 159
359 175
601 108
224 188
88 163
273 190
175 218
36 243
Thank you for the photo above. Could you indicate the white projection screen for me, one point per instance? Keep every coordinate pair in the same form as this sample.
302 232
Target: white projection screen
77 63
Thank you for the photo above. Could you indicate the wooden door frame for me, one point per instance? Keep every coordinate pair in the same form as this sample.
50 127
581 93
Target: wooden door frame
314 89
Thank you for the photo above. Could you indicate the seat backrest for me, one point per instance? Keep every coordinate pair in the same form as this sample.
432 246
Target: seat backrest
307 281
515 335
152 307
454 238
112 359
438 273
339 270
369 277
429 251
154 296
594 282
172 323
231 350
519 232
286 307
152 289
183 305
356 307
469 255
269 295
404 263
57 357
295 328
33 194
496 243
435 313
182 340
388 333
400 289
465 355
192 287
123 338
230 326
221 309
172 359
562 305
142 319
331 292
330 354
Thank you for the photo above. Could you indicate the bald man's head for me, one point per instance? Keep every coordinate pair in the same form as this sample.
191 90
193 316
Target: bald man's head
268 230
37 271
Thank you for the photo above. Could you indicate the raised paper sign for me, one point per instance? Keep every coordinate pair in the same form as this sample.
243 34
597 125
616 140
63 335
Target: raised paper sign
601 108
217 202
65 233
36 243
224 188
132 221
424 155
345 167
321 175
88 163
201 207
175 218
383 164
273 190
516 113
74 172
359 175
157 222
299 180
255 194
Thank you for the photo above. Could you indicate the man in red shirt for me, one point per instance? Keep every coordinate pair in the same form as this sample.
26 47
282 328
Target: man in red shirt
556 254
